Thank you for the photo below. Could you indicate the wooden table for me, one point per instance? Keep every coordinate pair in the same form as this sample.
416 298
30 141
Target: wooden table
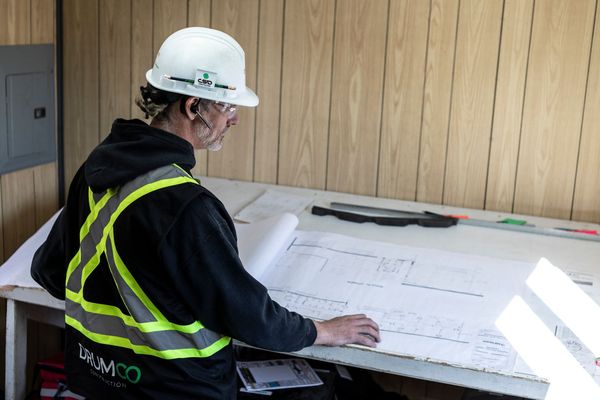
36 304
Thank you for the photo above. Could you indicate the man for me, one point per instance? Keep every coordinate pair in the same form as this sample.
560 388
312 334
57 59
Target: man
146 258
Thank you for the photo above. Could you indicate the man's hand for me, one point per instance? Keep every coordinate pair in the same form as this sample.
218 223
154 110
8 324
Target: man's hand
356 329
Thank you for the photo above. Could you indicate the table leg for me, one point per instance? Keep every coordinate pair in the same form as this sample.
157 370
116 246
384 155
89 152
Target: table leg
16 350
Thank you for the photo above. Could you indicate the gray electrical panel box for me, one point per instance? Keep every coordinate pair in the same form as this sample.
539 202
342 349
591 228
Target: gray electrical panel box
27 127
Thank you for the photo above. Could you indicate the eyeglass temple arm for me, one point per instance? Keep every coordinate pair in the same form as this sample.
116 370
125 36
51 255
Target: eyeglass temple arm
208 124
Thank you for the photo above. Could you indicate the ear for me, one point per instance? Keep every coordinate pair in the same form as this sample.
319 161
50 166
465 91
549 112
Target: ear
191 106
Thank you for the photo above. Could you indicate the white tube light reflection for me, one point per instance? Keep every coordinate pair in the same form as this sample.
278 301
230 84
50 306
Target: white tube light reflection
568 302
545 354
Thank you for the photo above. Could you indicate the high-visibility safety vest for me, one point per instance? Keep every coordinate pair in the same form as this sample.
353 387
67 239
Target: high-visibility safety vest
146 330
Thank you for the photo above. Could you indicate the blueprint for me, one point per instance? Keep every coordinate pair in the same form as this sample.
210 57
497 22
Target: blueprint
579 350
273 203
429 304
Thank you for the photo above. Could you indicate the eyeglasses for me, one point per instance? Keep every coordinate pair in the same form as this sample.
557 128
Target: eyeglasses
225 108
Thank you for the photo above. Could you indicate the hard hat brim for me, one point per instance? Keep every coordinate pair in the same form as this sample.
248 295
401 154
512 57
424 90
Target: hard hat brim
245 97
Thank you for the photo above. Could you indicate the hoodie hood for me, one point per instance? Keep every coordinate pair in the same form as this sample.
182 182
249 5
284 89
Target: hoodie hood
131 149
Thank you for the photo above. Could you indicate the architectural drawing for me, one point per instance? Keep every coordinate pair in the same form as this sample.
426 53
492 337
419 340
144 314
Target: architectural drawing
326 275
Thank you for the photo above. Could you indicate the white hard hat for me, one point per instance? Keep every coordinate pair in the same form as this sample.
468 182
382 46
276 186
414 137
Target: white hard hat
205 63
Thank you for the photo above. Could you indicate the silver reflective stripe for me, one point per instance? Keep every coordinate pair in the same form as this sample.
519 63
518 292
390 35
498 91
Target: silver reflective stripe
96 197
159 340
133 303
94 237
96 244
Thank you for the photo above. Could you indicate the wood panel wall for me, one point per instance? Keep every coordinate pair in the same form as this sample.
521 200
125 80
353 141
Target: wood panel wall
27 197
485 104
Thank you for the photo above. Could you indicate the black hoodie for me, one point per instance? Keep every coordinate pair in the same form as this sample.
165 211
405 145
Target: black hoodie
179 243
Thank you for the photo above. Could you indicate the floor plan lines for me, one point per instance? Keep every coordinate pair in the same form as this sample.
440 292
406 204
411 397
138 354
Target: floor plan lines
452 279
427 303
345 251
393 265
427 326
309 306
292 260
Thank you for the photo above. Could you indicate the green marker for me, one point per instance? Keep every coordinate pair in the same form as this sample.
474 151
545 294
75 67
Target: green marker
511 221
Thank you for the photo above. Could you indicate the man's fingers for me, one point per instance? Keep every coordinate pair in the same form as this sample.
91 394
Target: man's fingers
369 327
371 331
366 340
356 328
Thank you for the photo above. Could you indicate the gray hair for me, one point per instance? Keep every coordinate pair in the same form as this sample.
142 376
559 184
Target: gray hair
155 103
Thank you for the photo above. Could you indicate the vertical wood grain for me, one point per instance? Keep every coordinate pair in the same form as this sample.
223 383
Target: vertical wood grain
403 98
436 100
15 29
290 58
169 16
268 87
199 14
510 91
42 21
18 204
586 202
81 93
472 102
25 22
142 53
15 26
354 125
115 66
305 92
236 159
45 177
554 102
46 193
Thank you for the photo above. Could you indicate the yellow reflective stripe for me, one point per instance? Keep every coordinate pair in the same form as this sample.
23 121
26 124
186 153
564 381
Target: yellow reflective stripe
91 201
103 309
113 311
196 180
183 170
144 190
91 265
75 261
100 248
85 230
94 213
132 283
146 350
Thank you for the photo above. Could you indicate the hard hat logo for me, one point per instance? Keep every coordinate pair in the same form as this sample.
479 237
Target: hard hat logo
205 78
205 63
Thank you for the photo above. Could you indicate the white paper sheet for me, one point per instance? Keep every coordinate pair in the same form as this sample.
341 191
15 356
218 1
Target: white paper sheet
589 283
430 304
261 242
16 270
579 350
272 203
